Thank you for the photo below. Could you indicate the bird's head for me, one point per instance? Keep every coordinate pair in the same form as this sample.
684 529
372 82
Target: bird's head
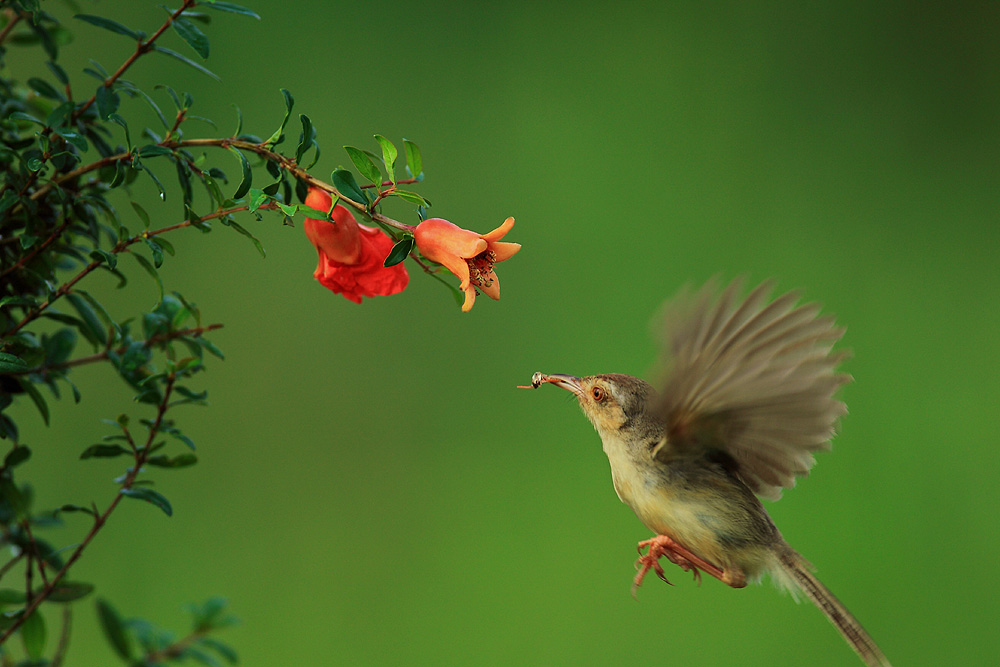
618 405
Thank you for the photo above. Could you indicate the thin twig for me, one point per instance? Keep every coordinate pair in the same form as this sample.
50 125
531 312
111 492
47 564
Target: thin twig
140 49
37 249
405 181
140 459
193 332
39 561
67 623
119 247
174 650
11 563
17 16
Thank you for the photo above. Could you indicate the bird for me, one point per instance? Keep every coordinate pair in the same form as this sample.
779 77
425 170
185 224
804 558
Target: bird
746 393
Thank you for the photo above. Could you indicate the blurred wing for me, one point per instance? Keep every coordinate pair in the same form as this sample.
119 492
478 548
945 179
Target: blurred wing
755 378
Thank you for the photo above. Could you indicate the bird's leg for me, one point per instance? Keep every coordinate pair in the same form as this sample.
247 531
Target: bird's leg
662 545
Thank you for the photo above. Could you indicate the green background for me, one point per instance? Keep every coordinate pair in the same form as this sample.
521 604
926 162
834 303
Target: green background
373 489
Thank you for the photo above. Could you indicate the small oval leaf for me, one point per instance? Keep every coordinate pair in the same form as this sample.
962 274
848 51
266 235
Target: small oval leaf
399 252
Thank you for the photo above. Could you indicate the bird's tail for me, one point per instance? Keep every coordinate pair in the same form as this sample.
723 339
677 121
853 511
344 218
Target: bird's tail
795 575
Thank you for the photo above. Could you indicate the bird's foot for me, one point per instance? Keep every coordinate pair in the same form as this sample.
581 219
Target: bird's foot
661 545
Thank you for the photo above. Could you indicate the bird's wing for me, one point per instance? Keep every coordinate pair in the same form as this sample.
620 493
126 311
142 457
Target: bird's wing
754 377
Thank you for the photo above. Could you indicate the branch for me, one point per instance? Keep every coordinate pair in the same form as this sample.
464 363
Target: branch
140 459
193 332
174 650
294 169
140 49
15 18
119 247
67 624
260 149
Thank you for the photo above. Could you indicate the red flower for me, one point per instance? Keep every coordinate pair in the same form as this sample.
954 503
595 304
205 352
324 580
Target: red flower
351 255
467 254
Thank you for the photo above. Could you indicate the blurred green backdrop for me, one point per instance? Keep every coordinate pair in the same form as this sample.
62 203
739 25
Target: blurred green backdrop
372 489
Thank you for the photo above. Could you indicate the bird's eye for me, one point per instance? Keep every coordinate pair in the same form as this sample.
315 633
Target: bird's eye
598 393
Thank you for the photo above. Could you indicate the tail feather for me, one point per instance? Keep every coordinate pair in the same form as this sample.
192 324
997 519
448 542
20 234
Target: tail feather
796 572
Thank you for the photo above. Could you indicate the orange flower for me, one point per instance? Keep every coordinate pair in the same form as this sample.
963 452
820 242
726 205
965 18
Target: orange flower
468 255
351 255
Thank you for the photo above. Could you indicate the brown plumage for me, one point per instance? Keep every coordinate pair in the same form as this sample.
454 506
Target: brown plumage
747 394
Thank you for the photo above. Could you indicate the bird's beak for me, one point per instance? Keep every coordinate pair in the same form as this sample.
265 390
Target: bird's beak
570 382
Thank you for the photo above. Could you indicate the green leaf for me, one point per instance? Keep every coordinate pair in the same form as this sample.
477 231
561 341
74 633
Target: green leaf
141 212
213 349
69 591
36 397
150 496
244 186
100 310
77 140
413 160
96 330
222 649
289 103
159 185
104 452
8 301
11 596
20 115
10 363
166 245
239 121
308 137
59 346
230 7
389 154
364 164
257 244
114 629
33 634
9 199
154 248
179 461
107 102
58 71
187 61
152 150
108 258
77 508
257 199
411 197
43 88
144 263
400 251
59 115
344 181
108 24
152 105
16 457
190 33
118 120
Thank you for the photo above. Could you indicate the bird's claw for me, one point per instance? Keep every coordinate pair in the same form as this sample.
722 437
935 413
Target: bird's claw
660 545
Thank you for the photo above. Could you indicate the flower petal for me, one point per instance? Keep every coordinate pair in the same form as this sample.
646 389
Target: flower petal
500 231
470 298
458 266
504 250
436 238
318 199
341 242
351 256
490 285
